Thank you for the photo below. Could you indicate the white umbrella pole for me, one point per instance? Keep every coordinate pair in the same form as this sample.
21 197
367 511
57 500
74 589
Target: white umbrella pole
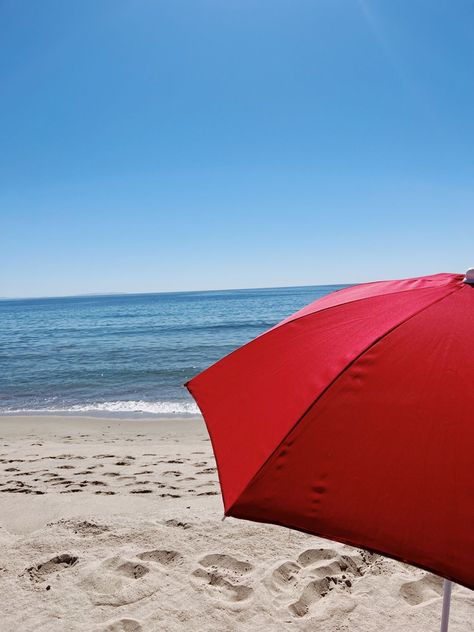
447 586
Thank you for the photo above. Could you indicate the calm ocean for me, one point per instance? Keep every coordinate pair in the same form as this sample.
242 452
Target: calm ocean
128 354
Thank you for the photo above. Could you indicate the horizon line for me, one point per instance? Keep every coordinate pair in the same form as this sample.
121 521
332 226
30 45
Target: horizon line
106 294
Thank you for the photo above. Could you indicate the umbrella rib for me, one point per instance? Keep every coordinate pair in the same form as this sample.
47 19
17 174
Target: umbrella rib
340 374
286 321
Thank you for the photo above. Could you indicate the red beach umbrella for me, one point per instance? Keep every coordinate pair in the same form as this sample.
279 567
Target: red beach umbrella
353 420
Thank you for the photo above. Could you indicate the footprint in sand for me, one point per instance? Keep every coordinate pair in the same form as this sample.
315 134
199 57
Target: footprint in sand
59 480
285 575
20 489
227 562
161 556
421 590
310 577
60 562
223 574
208 470
117 581
312 592
135 571
82 527
173 522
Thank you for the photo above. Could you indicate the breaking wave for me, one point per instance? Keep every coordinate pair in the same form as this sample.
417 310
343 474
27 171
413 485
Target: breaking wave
133 406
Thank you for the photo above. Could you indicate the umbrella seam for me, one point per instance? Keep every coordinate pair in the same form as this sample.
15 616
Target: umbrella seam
356 300
332 382
285 322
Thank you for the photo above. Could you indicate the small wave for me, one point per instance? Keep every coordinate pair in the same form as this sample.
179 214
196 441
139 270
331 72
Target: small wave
131 406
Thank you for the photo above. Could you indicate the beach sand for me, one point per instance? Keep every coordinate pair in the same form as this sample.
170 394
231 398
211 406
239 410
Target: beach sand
114 525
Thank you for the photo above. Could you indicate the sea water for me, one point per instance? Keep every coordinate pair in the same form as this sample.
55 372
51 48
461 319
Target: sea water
128 355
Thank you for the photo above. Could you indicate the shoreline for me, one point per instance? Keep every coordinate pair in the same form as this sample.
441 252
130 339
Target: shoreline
124 415
70 417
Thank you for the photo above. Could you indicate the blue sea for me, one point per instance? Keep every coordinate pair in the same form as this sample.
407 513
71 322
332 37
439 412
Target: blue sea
128 355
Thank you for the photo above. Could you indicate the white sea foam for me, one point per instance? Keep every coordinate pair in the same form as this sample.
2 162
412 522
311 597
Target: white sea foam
131 406
157 408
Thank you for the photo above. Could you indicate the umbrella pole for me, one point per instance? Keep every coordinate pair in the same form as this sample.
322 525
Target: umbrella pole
447 586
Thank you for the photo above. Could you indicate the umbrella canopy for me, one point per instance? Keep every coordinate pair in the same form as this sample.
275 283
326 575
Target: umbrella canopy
354 420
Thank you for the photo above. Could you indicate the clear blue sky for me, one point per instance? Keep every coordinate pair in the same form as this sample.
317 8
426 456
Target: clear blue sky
151 145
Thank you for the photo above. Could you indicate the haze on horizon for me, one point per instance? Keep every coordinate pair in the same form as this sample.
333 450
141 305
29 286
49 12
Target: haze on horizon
154 147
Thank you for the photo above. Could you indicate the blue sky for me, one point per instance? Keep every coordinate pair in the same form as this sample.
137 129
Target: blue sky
151 145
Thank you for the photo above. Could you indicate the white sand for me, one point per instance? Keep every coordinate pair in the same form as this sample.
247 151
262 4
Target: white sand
116 526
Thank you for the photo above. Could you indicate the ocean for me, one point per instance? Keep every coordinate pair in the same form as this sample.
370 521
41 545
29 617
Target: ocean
128 355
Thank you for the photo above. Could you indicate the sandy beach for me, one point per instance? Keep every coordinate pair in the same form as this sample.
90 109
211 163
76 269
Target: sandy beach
116 525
